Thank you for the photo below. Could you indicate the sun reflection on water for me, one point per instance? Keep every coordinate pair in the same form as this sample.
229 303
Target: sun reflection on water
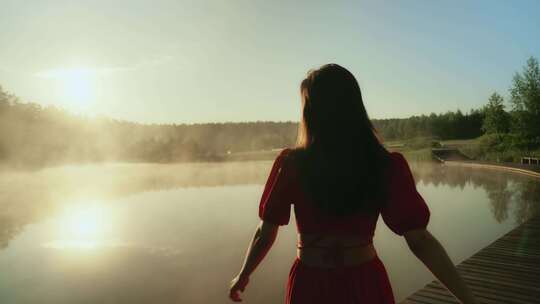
82 226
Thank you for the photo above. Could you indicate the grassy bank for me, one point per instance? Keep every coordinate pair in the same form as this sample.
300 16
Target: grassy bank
493 148
500 148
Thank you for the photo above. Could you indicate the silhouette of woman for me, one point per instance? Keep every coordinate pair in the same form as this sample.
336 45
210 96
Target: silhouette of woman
339 179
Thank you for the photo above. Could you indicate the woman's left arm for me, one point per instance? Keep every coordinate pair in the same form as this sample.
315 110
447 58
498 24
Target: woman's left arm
262 241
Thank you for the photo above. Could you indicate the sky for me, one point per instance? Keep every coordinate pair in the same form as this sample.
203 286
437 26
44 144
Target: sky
227 60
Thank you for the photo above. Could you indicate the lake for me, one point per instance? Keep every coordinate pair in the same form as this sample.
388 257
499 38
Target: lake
177 233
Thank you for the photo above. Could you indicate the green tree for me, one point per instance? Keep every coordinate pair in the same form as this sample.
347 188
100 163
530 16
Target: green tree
496 119
525 98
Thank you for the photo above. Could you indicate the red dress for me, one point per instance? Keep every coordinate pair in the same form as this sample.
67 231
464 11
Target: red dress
365 283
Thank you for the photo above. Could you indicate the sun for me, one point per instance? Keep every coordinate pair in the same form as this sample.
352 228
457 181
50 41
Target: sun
79 86
76 86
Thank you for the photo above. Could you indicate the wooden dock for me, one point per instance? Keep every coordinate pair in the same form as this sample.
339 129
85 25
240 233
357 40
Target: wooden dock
507 271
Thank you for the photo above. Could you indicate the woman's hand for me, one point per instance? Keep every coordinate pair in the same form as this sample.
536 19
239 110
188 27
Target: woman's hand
238 284
428 249
262 241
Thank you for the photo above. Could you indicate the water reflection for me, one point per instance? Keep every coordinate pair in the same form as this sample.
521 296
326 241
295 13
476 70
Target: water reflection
502 188
82 226
27 197
109 234
529 194
8 229
30 196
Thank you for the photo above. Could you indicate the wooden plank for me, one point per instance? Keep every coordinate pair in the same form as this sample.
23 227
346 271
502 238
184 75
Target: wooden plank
503 294
506 271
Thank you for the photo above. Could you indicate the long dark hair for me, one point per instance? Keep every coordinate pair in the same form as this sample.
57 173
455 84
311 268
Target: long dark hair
339 154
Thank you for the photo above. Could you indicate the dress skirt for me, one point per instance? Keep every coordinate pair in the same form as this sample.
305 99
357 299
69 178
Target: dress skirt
366 283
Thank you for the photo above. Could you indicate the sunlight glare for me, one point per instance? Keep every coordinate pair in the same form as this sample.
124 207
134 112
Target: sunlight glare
77 85
82 227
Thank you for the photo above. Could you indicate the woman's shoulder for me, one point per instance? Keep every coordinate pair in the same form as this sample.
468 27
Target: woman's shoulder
288 157
283 156
398 163
289 153
285 151
400 171
397 157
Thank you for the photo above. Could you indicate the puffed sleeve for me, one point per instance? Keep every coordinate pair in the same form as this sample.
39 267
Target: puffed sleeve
275 204
405 209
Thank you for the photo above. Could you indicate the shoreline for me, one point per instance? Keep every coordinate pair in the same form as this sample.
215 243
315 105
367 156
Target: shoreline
509 167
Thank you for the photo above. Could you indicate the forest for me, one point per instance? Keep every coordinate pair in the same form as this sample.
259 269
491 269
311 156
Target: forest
33 136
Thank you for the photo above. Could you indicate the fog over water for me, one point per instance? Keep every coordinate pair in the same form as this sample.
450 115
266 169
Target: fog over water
176 233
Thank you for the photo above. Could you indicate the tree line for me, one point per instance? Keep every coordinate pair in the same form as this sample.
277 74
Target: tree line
513 133
449 125
35 136
32 135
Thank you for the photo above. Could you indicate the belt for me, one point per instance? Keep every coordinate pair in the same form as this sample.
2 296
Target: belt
335 254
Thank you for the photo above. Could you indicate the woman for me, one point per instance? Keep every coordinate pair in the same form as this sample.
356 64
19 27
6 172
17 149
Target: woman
339 179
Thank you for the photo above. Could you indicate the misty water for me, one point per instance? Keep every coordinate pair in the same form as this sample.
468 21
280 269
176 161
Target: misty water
148 233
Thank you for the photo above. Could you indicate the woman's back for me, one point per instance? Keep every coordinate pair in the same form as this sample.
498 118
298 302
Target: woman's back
405 209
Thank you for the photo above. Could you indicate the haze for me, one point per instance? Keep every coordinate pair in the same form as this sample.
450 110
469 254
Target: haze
205 61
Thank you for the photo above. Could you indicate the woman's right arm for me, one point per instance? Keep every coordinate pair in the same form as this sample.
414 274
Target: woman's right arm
428 250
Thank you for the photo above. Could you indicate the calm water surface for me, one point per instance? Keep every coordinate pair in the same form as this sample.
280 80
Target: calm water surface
125 233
